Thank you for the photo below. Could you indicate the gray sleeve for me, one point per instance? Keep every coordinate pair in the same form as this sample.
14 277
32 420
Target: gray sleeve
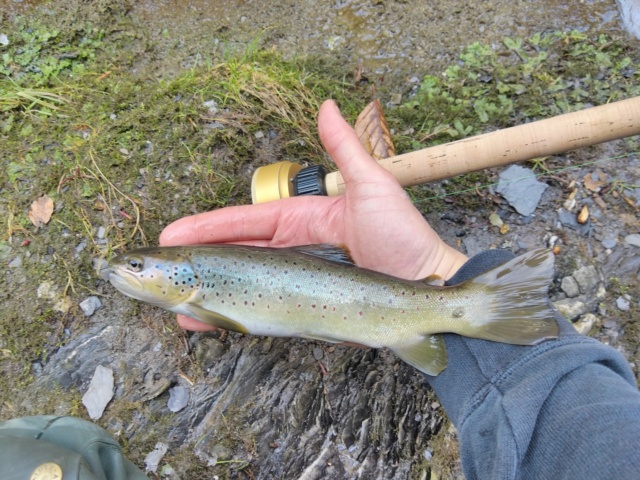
567 408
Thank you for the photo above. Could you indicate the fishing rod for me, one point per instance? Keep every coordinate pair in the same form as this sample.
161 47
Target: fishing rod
551 136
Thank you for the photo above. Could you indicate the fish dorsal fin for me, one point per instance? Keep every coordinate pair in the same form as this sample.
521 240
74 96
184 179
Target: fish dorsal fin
213 318
434 280
428 355
333 253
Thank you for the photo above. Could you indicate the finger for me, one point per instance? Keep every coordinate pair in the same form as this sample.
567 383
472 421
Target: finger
244 223
194 325
344 146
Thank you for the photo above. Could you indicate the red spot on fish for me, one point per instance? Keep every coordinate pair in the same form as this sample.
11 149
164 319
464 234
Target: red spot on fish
360 313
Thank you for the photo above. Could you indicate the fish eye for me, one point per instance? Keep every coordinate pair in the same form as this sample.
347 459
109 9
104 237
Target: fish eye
136 264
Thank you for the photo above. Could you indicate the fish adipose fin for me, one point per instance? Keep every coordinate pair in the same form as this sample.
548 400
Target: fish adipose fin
429 355
212 318
518 310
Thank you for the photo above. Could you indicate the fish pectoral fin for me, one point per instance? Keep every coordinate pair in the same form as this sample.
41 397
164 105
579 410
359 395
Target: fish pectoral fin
429 355
333 253
213 318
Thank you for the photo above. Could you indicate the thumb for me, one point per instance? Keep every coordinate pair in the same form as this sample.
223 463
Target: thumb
345 148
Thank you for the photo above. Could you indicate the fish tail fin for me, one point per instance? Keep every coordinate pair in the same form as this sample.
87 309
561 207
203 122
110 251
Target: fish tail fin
428 355
518 312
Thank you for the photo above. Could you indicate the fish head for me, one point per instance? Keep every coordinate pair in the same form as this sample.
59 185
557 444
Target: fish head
162 276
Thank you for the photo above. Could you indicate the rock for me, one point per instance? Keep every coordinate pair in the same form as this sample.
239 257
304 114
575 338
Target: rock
630 13
178 398
519 187
584 324
102 231
624 303
571 308
587 278
212 106
569 220
47 290
100 392
153 458
207 351
609 243
90 305
16 262
63 305
570 287
633 239
4 40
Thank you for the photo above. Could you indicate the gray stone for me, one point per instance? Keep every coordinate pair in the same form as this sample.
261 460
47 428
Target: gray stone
587 278
609 242
585 323
90 305
16 262
569 220
102 231
630 13
100 392
519 187
4 40
633 239
153 458
178 398
624 303
571 308
570 287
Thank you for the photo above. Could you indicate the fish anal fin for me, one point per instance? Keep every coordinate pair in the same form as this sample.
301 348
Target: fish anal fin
213 318
428 355
333 253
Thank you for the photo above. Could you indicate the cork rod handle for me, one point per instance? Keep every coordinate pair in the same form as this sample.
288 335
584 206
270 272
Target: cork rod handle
523 142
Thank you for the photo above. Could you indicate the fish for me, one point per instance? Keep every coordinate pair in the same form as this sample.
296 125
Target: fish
317 292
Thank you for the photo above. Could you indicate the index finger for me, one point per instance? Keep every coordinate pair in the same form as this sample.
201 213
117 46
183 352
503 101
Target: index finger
229 224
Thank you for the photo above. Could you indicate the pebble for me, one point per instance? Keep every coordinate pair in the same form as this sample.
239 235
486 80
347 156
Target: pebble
90 305
153 458
587 278
207 351
318 353
609 242
4 40
178 398
633 239
16 262
212 106
100 392
571 308
585 323
624 303
102 231
570 287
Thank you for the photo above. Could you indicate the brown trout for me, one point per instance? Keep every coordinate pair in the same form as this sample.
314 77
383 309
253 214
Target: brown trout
317 292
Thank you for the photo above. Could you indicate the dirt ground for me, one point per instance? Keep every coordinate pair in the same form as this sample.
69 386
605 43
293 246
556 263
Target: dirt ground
128 141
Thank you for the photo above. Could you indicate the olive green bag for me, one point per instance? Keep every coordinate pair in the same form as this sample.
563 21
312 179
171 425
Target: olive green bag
50 447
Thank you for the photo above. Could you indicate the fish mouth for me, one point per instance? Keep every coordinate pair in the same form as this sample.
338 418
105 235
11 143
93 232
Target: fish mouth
124 281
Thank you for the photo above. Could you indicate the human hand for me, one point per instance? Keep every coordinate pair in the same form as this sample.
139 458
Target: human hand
375 218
